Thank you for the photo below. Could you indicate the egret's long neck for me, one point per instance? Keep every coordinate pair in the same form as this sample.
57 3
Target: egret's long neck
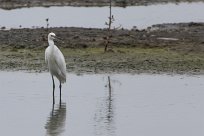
50 42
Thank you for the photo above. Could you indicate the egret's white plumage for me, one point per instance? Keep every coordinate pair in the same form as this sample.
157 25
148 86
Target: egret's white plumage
55 61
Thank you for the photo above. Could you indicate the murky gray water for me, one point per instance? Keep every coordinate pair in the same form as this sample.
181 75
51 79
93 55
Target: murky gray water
144 105
95 17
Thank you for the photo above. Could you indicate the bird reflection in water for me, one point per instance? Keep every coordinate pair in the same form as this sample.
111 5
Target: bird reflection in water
56 121
104 116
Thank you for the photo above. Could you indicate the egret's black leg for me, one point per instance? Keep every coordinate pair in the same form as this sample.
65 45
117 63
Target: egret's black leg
53 109
60 92
53 95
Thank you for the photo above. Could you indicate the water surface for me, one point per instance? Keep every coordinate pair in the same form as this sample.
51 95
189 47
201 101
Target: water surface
95 17
155 105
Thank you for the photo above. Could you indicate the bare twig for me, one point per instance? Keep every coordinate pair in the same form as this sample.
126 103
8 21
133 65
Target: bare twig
111 19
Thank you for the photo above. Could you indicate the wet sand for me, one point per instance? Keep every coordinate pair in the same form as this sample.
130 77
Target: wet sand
169 48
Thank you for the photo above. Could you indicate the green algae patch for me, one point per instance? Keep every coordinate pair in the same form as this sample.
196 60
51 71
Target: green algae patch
117 60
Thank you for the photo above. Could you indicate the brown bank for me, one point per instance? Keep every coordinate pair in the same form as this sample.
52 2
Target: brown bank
169 48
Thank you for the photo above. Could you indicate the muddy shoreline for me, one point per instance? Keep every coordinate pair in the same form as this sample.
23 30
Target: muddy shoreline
166 48
13 4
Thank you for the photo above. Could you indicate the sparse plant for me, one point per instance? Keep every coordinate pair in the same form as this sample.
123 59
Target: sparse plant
109 24
111 19
47 21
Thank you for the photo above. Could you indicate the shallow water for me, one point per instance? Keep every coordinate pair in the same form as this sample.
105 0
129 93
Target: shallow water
144 105
95 17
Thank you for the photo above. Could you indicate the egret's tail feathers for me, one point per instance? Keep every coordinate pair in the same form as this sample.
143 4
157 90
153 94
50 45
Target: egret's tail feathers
62 78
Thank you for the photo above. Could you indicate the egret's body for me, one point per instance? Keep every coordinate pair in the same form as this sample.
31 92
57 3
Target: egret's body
56 62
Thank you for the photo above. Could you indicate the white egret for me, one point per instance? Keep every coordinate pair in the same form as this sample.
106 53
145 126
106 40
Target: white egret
56 63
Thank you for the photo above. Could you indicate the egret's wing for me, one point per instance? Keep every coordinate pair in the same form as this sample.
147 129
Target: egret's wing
60 61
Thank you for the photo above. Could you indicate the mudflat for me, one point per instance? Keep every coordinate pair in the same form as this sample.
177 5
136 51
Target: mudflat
169 48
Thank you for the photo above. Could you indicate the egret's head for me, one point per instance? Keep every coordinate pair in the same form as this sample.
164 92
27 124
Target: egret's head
51 36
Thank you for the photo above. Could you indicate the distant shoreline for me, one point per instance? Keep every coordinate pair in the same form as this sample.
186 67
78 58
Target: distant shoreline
8 5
